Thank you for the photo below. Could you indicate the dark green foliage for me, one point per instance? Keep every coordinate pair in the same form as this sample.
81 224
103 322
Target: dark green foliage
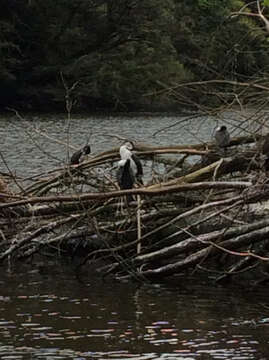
121 53
215 45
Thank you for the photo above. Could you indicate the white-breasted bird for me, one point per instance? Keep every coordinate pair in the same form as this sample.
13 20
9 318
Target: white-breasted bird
125 176
222 137
265 152
130 169
135 163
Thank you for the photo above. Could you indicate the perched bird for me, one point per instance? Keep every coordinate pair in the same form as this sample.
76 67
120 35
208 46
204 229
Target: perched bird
130 169
125 176
78 156
222 137
135 163
265 152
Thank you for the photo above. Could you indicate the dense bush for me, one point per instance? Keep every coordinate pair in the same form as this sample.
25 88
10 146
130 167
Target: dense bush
122 53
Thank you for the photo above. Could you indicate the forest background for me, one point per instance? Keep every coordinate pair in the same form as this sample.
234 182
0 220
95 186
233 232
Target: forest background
131 55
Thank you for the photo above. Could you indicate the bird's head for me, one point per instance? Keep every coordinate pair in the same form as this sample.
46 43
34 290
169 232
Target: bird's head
125 152
129 145
86 150
222 128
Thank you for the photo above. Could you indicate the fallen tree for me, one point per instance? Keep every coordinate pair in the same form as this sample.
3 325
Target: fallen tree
208 212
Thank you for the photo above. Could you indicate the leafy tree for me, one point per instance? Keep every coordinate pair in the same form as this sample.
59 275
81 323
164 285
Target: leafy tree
216 45
122 52
131 54
10 54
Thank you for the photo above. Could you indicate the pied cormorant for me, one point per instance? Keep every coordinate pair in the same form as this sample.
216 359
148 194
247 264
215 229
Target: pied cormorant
130 169
78 156
265 151
125 176
135 163
222 137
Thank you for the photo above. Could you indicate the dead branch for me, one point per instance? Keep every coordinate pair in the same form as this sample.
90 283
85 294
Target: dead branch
191 214
259 14
197 257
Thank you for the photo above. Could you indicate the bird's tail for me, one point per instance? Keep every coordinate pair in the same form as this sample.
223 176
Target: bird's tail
139 180
266 163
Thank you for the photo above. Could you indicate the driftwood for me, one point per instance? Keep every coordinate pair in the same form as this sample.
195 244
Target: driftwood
209 211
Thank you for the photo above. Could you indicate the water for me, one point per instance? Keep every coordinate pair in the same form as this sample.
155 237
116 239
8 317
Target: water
34 144
48 312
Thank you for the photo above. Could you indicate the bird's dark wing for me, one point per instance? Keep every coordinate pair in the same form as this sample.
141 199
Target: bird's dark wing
138 164
119 176
222 138
139 168
265 147
125 176
75 157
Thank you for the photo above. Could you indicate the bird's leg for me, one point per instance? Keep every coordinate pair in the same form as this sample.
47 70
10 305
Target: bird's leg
119 209
221 151
138 213
225 150
122 205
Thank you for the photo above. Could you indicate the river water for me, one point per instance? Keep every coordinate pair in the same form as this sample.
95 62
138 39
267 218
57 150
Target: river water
49 312
34 143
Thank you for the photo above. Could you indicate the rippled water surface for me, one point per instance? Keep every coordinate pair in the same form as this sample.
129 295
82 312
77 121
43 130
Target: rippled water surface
48 312
33 144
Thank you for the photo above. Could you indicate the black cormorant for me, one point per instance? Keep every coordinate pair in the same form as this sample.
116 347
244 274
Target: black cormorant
78 156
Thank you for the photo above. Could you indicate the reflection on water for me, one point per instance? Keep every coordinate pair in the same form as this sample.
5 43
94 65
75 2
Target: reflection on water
52 314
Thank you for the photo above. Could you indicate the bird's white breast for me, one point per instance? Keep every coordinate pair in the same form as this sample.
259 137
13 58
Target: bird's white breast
127 154
122 162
